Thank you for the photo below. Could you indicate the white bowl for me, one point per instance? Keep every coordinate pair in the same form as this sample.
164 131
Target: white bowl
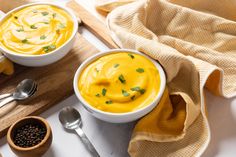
118 117
44 59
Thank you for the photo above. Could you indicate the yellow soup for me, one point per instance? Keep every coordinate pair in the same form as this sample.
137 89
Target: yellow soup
36 30
120 82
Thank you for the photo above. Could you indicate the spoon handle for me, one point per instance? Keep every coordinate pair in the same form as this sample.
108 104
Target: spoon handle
87 143
4 96
6 101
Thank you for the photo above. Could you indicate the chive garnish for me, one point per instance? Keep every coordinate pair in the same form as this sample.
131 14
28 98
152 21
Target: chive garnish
33 27
58 31
140 70
24 41
21 29
104 91
138 89
142 91
122 79
132 98
34 11
49 48
54 15
132 56
42 37
44 13
135 89
97 95
96 69
116 65
125 93
46 22
108 102
61 25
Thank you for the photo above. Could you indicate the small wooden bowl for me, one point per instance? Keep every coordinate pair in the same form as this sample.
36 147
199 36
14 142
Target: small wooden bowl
34 151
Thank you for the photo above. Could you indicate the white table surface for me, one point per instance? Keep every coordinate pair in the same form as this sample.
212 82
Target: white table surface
111 140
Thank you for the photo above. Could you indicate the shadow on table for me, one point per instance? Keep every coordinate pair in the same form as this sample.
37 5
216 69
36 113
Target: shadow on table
3 141
116 137
222 122
50 153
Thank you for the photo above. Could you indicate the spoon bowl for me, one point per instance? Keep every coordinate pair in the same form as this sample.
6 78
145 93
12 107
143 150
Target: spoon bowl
70 118
25 89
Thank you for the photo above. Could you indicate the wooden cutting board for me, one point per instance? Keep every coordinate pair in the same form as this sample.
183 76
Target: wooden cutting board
55 80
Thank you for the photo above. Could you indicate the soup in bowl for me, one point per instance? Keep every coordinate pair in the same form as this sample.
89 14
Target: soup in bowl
37 34
119 85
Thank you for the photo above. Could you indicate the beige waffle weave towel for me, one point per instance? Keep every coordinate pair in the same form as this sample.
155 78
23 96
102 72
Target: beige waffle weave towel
195 42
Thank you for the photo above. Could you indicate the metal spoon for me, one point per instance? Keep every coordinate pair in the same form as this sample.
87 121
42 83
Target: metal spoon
24 90
70 118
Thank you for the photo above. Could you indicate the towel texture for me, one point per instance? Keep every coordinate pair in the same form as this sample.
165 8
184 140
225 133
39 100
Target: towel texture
195 42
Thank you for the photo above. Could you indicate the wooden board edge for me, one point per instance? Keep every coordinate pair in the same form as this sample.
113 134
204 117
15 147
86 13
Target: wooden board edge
94 25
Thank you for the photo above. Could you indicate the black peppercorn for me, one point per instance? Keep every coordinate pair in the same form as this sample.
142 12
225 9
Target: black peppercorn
29 135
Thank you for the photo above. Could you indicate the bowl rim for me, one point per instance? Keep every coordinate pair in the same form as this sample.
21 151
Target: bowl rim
46 137
66 9
112 51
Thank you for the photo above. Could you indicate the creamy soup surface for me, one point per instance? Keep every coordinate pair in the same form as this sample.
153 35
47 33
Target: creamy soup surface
120 82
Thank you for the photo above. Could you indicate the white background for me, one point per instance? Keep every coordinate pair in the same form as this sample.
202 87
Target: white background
111 140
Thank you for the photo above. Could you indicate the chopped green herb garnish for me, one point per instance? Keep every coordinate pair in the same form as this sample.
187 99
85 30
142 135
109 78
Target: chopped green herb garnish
52 46
15 17
21 29
49 48
34 11
104 91
138 89
132 56
116 65
42 37
135 89
46 22
33 27
108 102
142 91
122 79
132 98
58 31
44 13
24 41
97 95
140 70
96 69
125 93
61 25
54 15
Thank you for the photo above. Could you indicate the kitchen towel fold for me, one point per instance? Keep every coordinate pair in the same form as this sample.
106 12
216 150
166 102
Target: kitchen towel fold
195 42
